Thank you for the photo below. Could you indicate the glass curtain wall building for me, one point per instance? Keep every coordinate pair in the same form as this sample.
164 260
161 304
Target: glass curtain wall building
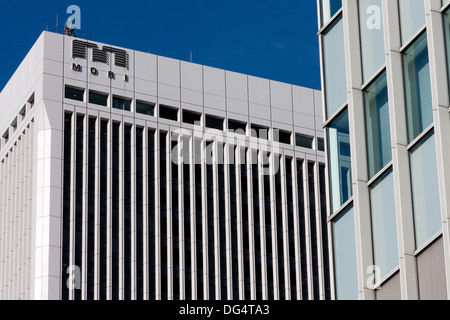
387 123
153 178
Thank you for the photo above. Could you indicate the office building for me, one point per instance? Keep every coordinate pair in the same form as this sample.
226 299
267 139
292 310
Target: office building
386 90
125 175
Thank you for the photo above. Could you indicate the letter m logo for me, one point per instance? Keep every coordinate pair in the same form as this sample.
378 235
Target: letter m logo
80 50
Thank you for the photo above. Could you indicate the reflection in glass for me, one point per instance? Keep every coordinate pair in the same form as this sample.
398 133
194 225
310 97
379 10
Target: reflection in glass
412 17
425 189
417 87
334 67
384 225
377 125
372 36
329 9
339 162
346 274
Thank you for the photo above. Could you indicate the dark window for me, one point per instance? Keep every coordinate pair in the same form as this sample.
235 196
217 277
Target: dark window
214 123
6 136
234 222
73 94
23 112
139 214
127 211
313 223
191 117
257 224
175 223
302 230
103 208
31 101
280 233
79 197
260 132
321 144
187 217
122 104
304 141
283 136
237 127
145 108
163 214
91 208
100 99
323 209
210 213
169 113
14 124
292 227
66 202
151 214
115 209
199 219
245 223
268 223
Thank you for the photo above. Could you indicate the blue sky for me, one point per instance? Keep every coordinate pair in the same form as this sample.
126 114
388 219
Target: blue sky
270 39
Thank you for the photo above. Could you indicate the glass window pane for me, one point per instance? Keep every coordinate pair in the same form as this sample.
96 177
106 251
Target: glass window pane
377 125
304 141
122 104
334 68
384 225
417 87
321 144
412 17
329 9
98 98
447 39
372 36
339 162
73 94
425 189
345 269
145 108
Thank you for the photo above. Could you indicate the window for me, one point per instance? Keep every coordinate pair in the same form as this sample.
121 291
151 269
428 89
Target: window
145 108
14 125
100 99
417 87
329 8
191 117
122 103
372 36
282 136
214 123
425 190
168 113
6 136
72 94
237 127
321 144
334 68
377 125
384 225
339 156
31 101
412 17
304 141
260 132
447 39
345 269
23 112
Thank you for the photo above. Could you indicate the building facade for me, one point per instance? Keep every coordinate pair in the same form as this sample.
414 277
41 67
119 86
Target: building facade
124 175
386 92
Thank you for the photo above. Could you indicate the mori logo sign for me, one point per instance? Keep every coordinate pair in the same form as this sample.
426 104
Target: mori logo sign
104 55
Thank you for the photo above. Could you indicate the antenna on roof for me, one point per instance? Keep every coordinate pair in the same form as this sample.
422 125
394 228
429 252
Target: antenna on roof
191 55
57 23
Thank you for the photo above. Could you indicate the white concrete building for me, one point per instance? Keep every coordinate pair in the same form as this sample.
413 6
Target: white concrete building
97 203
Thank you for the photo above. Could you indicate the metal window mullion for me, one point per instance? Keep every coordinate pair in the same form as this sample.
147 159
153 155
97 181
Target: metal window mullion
73 197
193 230
157 158
133 230
205 222
169 231
181 220
85 196
97 275
228 249
145 208
239 223
109 210
216 220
